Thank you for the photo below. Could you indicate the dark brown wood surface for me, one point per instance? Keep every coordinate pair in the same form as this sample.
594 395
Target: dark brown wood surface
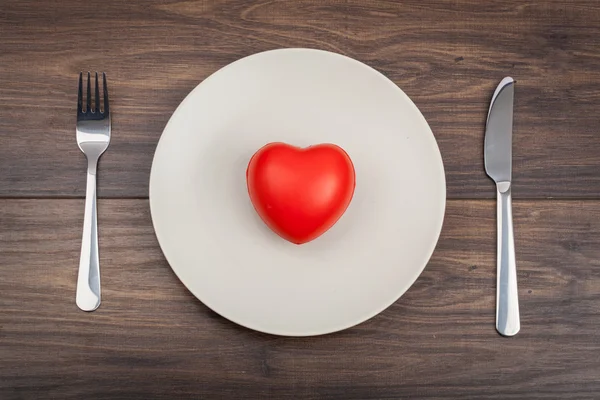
152 339
447 55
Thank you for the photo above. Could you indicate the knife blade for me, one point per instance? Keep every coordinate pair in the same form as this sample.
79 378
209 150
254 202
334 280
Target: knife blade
498 166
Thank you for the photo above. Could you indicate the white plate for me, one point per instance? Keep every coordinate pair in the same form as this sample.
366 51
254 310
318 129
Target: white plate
221 250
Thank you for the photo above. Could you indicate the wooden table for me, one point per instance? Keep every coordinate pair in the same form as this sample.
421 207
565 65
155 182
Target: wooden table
152 340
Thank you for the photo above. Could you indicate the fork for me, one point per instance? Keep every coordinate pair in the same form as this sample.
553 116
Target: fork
93 137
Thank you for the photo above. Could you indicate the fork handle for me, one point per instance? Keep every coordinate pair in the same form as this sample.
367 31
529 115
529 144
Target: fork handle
507 299
88 280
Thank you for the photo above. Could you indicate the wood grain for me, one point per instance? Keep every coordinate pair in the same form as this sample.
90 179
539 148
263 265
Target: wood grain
152 339
447 55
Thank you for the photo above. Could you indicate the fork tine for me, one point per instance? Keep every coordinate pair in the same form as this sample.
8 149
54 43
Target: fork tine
97 96
80 94
89 95
105 93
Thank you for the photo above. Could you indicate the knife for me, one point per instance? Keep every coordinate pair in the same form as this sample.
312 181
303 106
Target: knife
498 165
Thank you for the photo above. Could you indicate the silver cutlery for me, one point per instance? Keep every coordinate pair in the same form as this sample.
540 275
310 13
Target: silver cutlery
93 137
498 165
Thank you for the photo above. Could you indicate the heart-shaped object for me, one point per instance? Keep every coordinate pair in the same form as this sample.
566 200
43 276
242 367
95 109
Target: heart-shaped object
300 192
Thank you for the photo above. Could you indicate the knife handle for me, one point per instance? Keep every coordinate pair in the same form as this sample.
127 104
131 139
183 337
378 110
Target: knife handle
507 297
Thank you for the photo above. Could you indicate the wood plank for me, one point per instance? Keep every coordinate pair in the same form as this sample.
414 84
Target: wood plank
448 56
152 339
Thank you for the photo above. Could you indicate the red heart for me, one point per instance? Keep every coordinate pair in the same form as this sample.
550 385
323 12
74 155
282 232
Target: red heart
300 193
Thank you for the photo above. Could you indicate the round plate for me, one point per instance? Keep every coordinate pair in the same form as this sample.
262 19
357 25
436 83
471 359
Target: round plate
222 251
